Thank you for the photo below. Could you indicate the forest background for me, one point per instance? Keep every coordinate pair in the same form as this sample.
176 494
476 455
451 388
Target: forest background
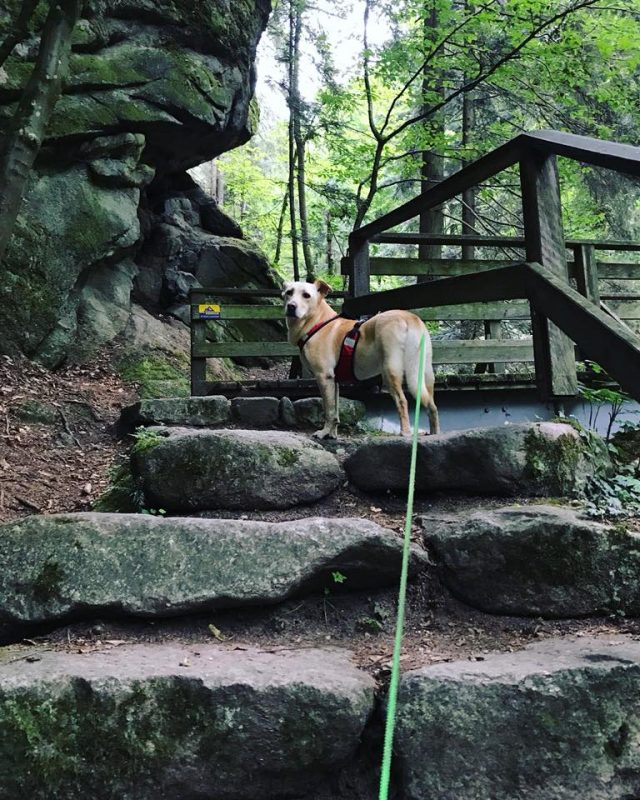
366 103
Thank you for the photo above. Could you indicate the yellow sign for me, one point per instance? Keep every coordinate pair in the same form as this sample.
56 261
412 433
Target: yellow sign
209 311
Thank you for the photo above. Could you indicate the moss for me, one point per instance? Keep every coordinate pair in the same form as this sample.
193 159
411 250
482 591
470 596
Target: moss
287 457
47 583
155 375
552 464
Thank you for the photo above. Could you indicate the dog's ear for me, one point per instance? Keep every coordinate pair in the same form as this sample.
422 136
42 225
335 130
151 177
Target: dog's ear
322 287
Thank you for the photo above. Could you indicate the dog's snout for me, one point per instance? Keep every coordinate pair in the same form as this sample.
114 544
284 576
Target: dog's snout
291 309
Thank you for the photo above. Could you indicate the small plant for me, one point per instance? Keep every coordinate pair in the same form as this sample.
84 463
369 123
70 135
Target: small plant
338 577
598 397
617 494
154 512
145 439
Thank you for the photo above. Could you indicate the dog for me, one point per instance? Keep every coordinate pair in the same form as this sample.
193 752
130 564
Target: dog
389 345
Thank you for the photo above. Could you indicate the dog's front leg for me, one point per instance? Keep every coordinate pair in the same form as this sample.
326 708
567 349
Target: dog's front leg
329 391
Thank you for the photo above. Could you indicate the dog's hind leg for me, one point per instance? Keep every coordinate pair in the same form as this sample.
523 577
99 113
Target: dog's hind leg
427 388
393 382
426 398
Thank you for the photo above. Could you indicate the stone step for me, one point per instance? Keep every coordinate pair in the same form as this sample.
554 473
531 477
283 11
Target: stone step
249 412
82 566
167 721
544 458
187 469
163 722
558 721
540 560
183 469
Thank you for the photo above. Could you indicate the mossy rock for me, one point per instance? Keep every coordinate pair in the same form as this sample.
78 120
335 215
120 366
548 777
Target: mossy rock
194 470
534 459
156 376
36 411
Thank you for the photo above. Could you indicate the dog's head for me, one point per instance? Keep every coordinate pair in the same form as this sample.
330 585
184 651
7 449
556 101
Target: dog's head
301 299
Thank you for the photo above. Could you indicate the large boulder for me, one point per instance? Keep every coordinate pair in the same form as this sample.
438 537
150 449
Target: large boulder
545 561
182 469
554 722
69 222
154 88
159 722
179 72
71 566
543 458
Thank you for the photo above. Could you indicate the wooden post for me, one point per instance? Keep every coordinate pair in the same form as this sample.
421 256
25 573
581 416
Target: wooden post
198 364
586 270
544 240
493 330
359 281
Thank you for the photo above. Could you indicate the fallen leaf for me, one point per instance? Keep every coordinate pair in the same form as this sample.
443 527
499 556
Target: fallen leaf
217 633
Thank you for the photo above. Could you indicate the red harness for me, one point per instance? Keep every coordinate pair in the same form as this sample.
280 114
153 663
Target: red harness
344 372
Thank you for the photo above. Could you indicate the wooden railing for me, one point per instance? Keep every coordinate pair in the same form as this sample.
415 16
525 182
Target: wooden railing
543 276
235 305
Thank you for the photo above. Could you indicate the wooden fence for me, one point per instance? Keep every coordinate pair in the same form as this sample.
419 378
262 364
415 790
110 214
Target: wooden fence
492 290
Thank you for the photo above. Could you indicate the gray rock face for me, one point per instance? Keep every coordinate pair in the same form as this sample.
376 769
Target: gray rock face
198 470
158 722
554 722
258 412
200 412
67 222
543 458
309 412
541 561
82 565
154 88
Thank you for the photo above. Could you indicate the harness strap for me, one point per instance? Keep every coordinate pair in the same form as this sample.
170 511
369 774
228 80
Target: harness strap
304 339
344 371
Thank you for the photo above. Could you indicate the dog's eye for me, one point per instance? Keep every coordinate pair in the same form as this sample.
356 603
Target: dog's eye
289 292
306 295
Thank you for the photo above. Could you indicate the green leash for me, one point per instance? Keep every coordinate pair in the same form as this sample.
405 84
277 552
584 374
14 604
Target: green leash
385 775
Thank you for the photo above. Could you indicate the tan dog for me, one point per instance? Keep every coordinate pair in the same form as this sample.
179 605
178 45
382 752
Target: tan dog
389 346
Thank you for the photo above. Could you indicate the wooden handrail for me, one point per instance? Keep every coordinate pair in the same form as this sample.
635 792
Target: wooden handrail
601 153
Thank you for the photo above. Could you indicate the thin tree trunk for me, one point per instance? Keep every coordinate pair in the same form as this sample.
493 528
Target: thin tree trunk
18 30
296 111
292 145
432 166
280 230
27 128
331 267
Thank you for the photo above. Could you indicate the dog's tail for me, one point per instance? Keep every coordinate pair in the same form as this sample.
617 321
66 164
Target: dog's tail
411 359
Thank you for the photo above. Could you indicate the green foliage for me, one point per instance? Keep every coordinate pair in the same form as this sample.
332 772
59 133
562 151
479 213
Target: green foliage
525 65
617 493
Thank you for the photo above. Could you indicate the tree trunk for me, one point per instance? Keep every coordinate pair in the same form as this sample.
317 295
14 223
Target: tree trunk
300 143
27 128
331 266
292 144
432 167
280 230
18 30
